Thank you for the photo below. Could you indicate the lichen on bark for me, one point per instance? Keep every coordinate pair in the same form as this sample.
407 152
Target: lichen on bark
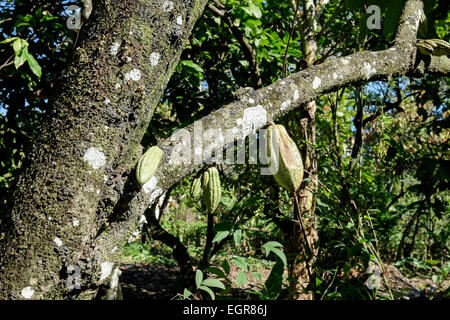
105 101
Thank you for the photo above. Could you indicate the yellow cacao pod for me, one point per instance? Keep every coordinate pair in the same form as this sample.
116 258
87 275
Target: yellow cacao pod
148 164
196 187
212 191
285 161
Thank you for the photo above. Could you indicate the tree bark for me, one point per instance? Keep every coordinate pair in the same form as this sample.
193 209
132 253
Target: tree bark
76 175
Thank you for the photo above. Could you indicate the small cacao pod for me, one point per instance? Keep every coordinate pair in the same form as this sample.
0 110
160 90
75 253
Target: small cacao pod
285 161
212 191
205 179
148 164
196 187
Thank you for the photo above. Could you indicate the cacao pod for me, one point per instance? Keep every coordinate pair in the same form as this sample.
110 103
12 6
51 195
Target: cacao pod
436 47
196 187
285 161
205 179
212 191
148 164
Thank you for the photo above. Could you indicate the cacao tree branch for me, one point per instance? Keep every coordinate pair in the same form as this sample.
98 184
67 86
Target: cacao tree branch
269 103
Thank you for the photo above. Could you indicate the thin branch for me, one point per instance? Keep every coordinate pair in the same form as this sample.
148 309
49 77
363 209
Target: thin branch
358 122
8 62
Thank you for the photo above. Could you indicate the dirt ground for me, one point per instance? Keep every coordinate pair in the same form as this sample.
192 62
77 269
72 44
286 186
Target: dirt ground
158 282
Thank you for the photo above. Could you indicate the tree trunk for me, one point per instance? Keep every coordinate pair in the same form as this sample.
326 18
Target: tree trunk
301 249
78 176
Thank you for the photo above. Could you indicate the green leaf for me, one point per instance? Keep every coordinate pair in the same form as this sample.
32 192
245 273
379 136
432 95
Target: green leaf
211 293
18 45
258 276
273 285
240 263
280 254
213 283
226 267
435 278
34 65
318 282
217 272
274 247
8 40
186 293
192 65
198 278
244 63
272 244
252 23
241 278
253 10
19 59
220 236
227 202
237 235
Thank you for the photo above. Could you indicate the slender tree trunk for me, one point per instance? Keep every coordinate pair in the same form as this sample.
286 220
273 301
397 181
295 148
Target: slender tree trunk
180 252
302 257
410 247
400 253
208 244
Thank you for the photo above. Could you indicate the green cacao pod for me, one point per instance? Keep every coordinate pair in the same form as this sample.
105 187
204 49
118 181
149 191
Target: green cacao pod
205 179
196 187
148 164
287 167
212 191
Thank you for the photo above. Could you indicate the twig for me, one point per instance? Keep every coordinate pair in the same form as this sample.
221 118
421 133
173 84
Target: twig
7 63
